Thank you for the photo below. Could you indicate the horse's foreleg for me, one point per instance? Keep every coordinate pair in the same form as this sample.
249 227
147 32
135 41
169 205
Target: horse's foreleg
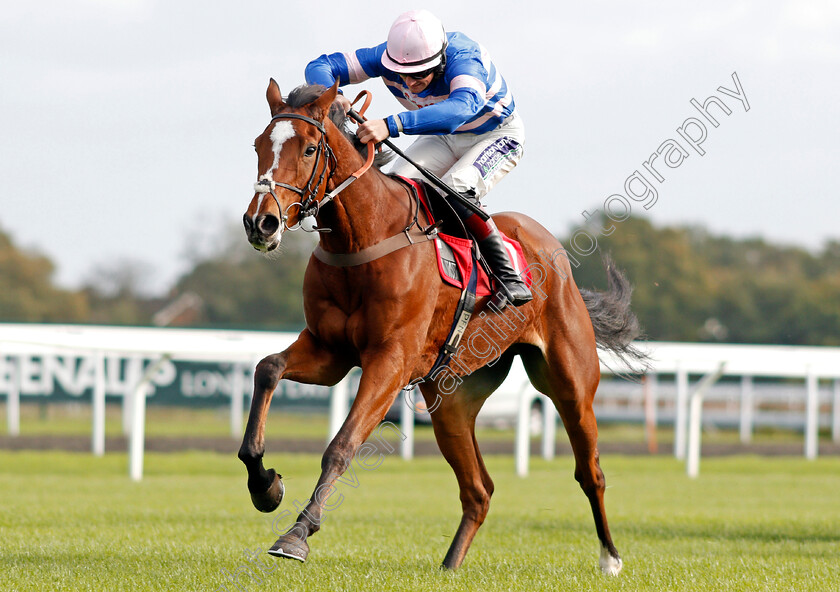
378 388
304 361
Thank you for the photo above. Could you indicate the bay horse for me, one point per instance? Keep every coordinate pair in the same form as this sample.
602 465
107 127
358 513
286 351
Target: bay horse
391 315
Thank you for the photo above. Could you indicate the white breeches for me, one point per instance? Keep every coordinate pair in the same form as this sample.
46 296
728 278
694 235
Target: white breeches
468 161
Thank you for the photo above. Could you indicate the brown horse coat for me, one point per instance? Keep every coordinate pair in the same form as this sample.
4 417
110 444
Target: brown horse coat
390 317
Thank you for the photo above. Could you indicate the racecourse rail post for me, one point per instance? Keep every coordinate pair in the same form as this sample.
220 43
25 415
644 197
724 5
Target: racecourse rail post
339 405
98 404
549 427
13 396
237 397
835 413
407 424
747 409
681 406
137 439
522 447
133 375
650 386
812 415
696 418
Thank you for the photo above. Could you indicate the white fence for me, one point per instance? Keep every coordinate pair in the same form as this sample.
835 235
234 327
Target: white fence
714 361
147 348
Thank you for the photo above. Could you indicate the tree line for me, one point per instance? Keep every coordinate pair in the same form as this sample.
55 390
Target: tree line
689 285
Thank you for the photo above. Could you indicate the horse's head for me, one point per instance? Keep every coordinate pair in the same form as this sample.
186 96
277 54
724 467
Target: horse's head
294 164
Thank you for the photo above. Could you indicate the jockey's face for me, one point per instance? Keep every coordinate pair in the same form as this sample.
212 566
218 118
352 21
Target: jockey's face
417 85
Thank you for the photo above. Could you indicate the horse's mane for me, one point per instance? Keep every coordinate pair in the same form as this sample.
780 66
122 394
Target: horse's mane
307 93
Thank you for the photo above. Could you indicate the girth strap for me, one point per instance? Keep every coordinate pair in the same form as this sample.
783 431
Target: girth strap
466 306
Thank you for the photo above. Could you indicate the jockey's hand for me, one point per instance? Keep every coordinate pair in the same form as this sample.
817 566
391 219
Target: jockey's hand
343 101
373 130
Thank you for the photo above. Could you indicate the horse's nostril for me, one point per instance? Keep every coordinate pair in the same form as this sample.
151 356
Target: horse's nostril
268 224
246 220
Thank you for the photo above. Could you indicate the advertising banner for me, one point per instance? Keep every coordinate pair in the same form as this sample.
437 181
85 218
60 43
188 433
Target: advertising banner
59 378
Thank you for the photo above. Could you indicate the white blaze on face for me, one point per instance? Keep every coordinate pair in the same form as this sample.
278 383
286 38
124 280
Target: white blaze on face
283 130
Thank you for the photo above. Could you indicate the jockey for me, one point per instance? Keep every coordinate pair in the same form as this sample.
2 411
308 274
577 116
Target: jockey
471 135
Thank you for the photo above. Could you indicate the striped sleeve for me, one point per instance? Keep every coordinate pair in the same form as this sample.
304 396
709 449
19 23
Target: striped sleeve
348 68
444 117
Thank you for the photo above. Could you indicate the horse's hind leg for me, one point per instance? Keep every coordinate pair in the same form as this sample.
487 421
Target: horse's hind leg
453 424
583 435
453 420
570 377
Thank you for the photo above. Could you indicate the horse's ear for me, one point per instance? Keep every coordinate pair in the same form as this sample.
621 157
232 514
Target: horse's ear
274 97
324 102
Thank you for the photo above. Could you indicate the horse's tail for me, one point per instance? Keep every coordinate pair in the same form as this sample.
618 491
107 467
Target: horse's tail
614 323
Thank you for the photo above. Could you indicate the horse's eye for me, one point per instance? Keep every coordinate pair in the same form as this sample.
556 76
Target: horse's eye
310 151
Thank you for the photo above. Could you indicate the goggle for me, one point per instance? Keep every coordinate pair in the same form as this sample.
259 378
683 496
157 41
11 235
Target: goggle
418 75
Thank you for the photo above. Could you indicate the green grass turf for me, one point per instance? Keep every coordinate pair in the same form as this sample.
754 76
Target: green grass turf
76 522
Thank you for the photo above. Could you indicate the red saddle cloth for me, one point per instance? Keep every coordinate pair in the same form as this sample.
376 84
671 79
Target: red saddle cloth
454 254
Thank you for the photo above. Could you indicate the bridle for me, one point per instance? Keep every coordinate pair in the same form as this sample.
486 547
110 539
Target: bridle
308 204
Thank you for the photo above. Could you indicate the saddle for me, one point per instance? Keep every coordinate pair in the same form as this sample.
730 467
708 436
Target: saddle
454 248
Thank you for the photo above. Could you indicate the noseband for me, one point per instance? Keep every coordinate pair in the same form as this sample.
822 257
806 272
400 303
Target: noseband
308 204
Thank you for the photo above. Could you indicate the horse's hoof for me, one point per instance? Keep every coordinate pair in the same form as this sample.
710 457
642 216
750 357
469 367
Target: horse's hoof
290 546
610 564
268 500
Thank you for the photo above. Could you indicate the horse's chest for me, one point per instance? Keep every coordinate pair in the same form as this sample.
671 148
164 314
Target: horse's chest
370 323
342 328
368 311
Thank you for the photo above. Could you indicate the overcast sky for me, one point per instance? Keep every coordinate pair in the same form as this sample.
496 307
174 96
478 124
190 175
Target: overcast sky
126 125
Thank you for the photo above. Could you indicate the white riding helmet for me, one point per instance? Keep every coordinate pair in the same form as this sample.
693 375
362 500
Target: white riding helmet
416 42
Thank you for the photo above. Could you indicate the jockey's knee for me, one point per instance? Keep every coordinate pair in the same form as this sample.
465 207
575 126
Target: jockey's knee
403 168
467 181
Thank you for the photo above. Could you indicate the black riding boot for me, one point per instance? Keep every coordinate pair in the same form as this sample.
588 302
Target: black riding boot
510 288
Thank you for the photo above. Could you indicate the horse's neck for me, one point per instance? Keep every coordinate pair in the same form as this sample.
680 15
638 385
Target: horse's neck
369 210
